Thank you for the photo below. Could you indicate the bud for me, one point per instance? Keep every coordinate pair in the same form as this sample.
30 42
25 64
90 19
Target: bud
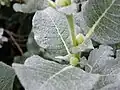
80 38
63 3
51 3
74 61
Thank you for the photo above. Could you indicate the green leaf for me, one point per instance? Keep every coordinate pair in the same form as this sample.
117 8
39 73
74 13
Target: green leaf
108 81
7 76
112 86
102 16
40 74
102 72
32 46
51 31
101 62
99 58
21 59
79 20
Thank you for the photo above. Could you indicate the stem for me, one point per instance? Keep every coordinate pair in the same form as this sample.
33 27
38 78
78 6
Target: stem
12 38
90 33
73 33
72 29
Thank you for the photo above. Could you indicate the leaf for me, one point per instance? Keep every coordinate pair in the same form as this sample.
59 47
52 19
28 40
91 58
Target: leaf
32 46
34 49
30 6
47 75
79 20
102 16
100 61
7 76
21 59
114 86
40 74
51 31
108 81
99 58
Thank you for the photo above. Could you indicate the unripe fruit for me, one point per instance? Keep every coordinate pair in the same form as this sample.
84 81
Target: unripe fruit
80 38
63 3
74 61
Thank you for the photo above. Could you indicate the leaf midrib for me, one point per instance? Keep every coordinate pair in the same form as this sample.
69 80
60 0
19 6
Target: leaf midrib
57 73
63 41
97 22
99 19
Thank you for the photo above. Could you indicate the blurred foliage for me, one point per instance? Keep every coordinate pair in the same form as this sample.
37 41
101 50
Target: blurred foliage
17 27
5 2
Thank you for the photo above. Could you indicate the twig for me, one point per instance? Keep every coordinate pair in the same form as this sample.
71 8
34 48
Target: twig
12 38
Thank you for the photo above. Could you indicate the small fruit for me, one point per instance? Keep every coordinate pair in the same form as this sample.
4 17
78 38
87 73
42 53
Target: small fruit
74 61
63 3
80 38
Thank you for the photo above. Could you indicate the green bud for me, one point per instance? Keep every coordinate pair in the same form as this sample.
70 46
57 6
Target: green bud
80 38
74 61
63 3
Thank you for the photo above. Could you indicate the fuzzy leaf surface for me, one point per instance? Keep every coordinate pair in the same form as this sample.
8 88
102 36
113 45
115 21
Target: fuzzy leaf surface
100 61
103 16
49 26
40 74
7 76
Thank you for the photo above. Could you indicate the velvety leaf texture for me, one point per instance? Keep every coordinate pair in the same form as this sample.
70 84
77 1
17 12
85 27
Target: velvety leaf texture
104 17
101 62
80 21
102 72
7 76
99 58
49 26
50 32
40 74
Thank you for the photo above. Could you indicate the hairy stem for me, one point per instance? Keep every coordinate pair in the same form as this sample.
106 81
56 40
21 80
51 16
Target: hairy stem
70 19
72 29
